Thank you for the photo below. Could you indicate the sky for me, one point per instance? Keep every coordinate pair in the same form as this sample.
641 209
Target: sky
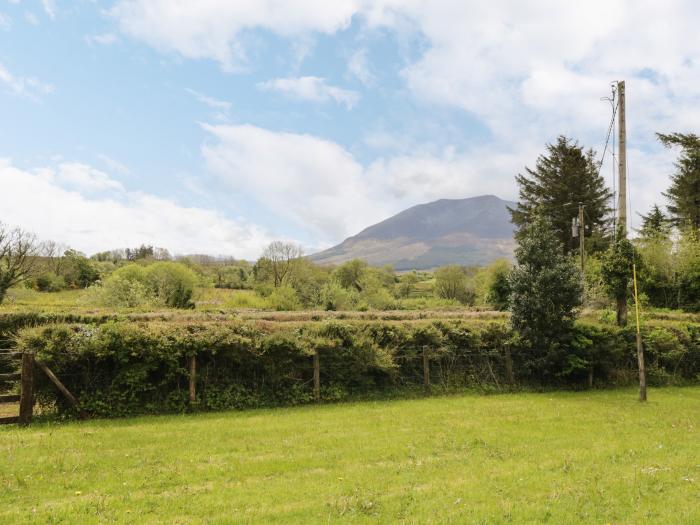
217 126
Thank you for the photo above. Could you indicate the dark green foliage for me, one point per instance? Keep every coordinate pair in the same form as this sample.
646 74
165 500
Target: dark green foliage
50 282
127 367
499 289
616 268
546 290
655 224
684 193
564 177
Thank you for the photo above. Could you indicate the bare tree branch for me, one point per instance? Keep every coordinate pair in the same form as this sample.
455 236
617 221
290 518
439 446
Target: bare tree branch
18 251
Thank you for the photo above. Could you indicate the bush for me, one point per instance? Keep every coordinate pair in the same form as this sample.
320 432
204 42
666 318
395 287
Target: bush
284 298
335 297
162 283
50 282
451 283
171 283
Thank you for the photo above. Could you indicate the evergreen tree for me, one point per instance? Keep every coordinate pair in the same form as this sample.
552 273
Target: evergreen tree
546 289
562 178
655 224
684 193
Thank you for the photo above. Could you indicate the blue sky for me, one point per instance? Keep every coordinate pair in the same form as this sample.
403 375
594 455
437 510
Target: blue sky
217 126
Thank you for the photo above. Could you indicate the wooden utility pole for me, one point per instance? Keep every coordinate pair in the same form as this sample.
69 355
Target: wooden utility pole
622 189
640 346
622 157
581 233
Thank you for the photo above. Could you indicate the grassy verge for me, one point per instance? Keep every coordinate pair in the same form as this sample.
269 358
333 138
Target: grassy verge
523 458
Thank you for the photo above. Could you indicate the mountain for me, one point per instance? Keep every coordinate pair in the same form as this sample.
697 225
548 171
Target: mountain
469 231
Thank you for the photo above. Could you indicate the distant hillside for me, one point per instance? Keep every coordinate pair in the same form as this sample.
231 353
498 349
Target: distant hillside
469 231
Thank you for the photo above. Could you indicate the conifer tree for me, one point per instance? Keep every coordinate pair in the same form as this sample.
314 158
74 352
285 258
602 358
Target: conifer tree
655 224
562 178
546 290
684 193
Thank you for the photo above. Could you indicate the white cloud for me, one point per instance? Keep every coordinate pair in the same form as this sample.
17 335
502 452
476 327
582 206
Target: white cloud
103 39
49 8
28 87
35 201
5 22
85 178
524 68
212 29
358 66
305 179
312 88
210 101
113 165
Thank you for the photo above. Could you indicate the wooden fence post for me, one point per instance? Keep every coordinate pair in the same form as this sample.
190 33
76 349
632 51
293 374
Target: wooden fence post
193 381
317 378
26 400
510 377
426 369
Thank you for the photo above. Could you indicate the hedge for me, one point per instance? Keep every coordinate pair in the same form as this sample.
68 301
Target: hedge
125 367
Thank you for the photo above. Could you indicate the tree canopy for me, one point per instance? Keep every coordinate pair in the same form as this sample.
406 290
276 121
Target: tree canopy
546 290
684 192
562 178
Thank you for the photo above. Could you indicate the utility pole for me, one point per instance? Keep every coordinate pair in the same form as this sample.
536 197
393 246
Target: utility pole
581 233
622 189
622 157
622 218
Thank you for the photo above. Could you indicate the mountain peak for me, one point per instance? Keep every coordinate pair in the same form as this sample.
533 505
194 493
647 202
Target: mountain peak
474 230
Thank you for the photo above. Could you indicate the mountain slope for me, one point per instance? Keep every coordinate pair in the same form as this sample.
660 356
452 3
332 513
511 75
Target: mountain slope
469 231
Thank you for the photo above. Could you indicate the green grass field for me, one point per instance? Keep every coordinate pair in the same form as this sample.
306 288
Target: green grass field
594 457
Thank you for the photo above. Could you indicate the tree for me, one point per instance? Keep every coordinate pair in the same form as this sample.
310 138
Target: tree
655 224
18 250
616 270
688 270
78 271
278 263
656 279
546 291
351 274
684 193
406 284
563 178
498 293
451 283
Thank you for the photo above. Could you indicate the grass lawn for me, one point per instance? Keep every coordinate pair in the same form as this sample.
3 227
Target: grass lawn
598 457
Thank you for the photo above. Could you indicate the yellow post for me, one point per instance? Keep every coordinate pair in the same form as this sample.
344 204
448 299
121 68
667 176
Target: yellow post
640 348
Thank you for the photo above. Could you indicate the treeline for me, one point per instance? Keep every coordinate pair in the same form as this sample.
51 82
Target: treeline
283 278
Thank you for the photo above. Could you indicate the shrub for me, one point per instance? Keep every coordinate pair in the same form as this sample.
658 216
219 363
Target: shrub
172 283
451 283
127 367
50 282
336 297
284 298
164 283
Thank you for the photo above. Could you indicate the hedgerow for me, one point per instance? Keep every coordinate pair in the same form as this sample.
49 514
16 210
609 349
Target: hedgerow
120 367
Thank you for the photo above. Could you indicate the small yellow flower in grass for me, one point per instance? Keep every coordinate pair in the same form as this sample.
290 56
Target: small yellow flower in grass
78 492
